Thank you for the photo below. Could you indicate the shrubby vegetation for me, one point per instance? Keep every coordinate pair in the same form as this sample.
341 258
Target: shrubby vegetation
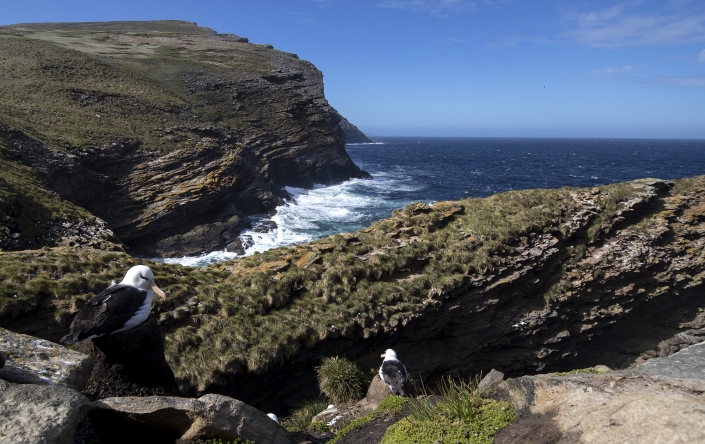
341 380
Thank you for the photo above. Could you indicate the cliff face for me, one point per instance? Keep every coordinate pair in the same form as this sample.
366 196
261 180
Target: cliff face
169 132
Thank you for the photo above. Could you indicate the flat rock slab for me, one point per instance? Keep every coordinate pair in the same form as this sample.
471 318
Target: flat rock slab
157 419
689 363
39 414
609 408
30 360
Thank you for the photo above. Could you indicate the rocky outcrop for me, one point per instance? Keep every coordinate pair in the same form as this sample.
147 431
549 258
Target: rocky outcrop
662 400
172 134
165 419
39 413
31 360
130 363
352 134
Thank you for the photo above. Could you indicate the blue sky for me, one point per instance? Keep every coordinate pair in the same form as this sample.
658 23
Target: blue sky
467 68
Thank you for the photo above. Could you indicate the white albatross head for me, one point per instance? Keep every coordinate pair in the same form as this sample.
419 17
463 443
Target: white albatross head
141 276
389 354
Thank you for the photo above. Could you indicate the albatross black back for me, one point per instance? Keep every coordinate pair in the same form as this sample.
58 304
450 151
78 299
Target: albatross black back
105 313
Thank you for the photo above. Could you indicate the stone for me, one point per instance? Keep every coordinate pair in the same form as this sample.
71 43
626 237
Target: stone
32 413
490 381
164 418
30 360
326 415
130 363
689 364
377 391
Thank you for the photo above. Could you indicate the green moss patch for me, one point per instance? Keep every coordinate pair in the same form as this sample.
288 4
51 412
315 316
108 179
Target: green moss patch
491 416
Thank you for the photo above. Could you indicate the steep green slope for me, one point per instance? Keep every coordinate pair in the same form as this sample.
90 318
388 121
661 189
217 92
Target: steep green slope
513 281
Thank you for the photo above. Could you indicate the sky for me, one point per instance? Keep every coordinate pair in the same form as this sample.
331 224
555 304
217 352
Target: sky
483 68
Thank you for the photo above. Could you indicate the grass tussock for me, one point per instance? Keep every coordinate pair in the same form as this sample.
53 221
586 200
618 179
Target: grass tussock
455 413
341 380
300 418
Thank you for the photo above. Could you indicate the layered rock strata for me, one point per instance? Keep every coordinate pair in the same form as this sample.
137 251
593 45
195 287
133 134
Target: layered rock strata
170 133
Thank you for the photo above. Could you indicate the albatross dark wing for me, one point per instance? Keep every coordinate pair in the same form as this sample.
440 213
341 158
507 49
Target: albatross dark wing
394 374
106 312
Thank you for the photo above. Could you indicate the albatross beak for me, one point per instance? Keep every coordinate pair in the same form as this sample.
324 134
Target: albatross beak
158 291
382 355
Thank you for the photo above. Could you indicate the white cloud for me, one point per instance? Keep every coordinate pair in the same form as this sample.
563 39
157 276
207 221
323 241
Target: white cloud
620 26
439 8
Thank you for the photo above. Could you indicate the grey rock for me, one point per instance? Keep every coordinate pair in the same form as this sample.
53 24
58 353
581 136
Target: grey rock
377 391
688 363
326 415
30 360
39 414
208 417
490 381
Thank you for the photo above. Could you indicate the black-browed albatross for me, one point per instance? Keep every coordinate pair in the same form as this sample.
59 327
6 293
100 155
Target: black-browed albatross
116 309
393 372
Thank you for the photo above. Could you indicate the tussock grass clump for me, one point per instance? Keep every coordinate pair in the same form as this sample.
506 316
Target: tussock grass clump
456 413
341 379
300 418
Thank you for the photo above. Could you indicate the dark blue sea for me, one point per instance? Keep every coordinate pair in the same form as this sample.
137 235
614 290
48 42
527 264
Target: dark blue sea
410 169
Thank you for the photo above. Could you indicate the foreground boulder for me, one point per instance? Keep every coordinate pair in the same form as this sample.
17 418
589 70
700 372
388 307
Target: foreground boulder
130 363
39 413
30 360
662 400
166 419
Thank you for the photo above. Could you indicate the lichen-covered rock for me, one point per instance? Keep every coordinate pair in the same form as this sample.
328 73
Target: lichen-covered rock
39 414
169 418
30 360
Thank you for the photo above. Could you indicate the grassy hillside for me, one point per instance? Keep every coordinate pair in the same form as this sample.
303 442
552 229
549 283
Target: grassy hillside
246 314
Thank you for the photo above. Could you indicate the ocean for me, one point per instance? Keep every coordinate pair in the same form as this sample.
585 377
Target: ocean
412 169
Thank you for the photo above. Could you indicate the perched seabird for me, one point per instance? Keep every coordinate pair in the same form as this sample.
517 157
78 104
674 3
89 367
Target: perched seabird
273 417
116 309
393 372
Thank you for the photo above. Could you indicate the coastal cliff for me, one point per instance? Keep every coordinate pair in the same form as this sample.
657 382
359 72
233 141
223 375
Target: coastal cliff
170 133
524 282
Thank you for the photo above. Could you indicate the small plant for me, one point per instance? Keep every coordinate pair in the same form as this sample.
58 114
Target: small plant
341 379
300 419
320 426
590 370
455 400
